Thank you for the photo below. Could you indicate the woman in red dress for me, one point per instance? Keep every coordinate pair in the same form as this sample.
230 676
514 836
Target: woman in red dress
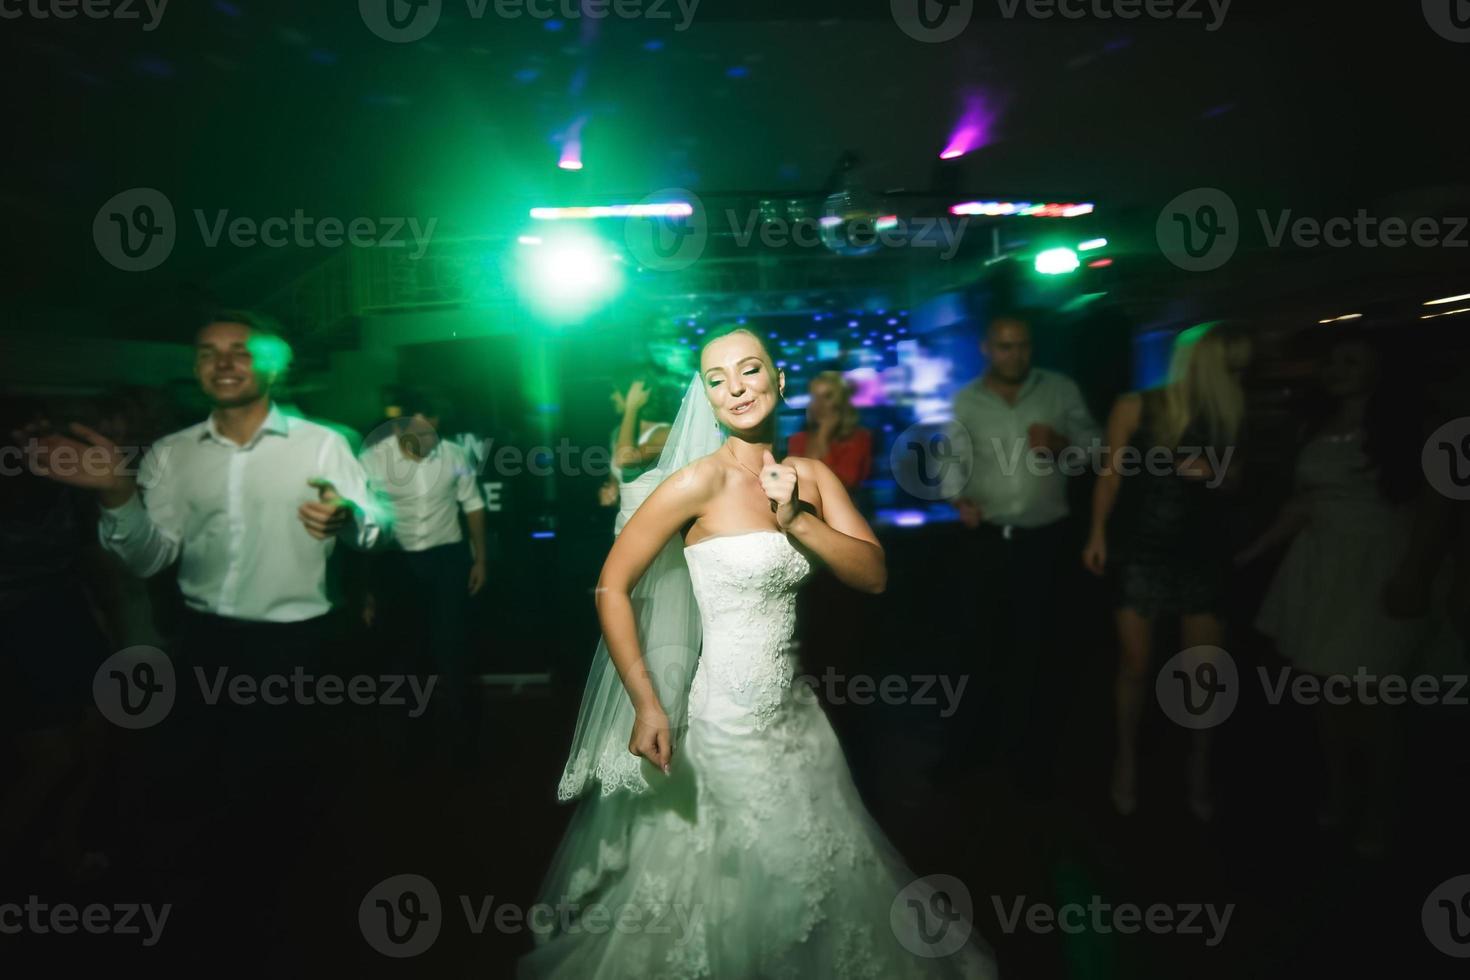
832 432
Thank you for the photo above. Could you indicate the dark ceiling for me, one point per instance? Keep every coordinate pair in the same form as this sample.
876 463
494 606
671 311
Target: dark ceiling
261 108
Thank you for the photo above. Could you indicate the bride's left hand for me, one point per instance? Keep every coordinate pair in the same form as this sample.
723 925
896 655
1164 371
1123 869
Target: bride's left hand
779 483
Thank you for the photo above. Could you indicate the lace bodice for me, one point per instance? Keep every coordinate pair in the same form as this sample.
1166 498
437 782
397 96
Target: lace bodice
746 585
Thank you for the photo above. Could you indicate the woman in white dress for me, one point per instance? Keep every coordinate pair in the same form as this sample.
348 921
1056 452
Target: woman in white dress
1349 523
734 845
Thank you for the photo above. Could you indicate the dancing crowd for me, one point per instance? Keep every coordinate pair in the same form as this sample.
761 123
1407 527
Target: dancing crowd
218 548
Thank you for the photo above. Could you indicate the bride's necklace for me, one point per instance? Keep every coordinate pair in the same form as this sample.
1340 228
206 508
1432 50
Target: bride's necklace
747 469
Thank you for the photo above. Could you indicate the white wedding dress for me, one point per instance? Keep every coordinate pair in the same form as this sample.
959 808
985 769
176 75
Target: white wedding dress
755 857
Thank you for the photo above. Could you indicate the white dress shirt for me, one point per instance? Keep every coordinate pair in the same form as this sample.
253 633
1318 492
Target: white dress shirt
426 494
227 512
1007 490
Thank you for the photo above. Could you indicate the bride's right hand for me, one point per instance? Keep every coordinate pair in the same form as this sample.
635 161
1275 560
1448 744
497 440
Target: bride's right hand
652 738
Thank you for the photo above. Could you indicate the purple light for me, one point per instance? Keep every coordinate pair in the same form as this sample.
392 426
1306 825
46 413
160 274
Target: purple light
975 127
571 145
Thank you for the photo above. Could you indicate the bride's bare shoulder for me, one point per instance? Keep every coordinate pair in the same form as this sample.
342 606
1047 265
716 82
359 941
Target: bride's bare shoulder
699 479
805 466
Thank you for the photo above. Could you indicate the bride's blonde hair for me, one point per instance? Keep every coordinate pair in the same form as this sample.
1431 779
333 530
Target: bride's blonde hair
1203 387
765 351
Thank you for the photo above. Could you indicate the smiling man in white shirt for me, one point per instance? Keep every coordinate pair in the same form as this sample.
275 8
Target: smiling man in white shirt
250 503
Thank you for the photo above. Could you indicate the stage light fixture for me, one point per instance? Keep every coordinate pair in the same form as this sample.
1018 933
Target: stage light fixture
1056 261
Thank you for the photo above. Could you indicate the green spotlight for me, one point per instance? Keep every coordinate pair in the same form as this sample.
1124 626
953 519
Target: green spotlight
569 275
1055 261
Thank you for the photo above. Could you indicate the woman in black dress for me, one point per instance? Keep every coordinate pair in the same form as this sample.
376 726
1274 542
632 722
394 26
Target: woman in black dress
1158 528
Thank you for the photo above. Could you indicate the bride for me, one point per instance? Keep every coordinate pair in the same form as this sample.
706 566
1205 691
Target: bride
727 840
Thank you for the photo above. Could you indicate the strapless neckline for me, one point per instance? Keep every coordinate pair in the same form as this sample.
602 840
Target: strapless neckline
737 534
